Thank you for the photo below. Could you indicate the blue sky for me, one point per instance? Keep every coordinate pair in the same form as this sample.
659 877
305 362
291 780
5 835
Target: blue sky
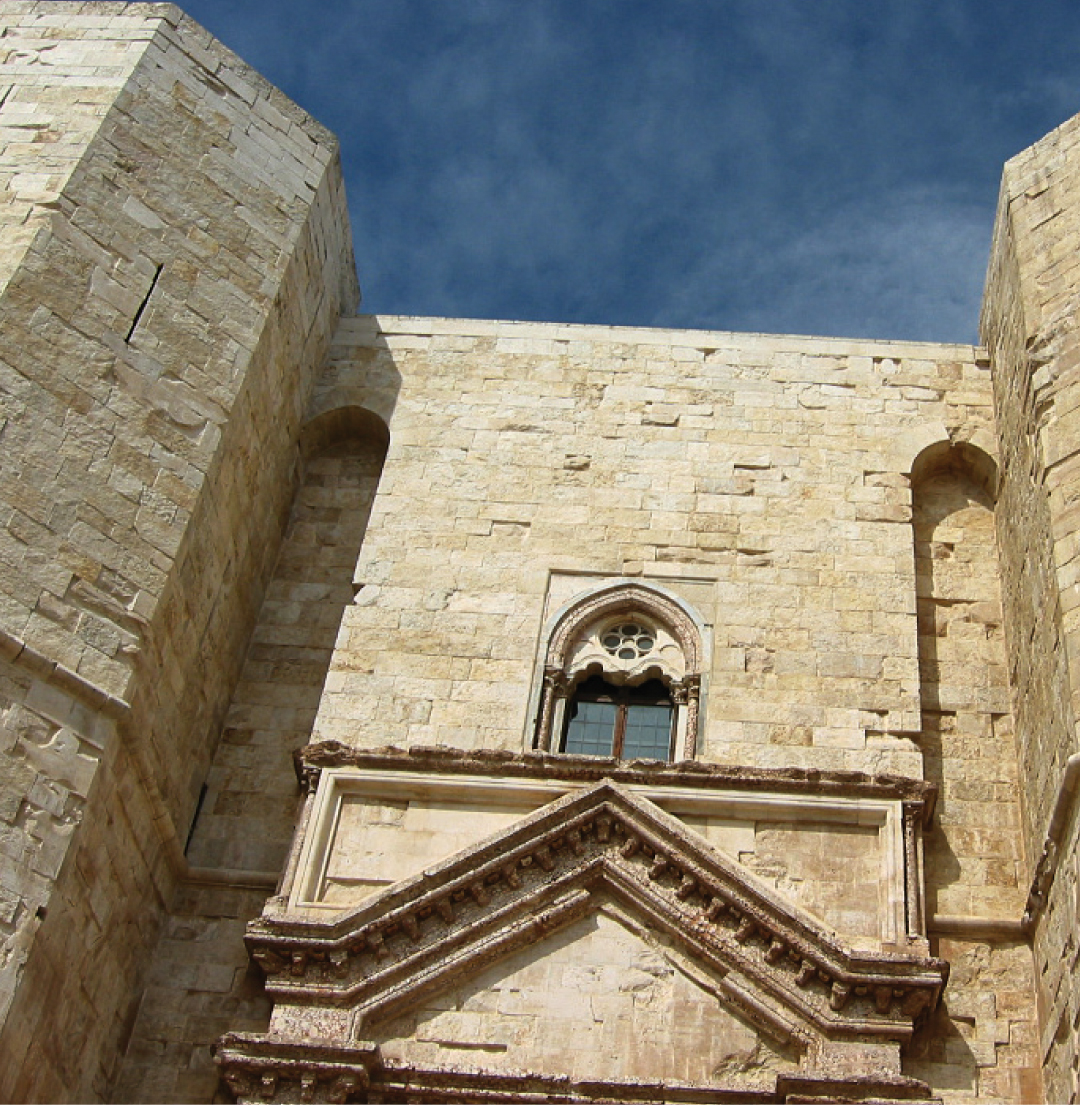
789 166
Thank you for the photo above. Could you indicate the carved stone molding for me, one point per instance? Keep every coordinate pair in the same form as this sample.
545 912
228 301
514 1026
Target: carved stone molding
268 1070
626 599
913 878
777 968
591 769
399 1083
555 686
630 600
562 862
264 1071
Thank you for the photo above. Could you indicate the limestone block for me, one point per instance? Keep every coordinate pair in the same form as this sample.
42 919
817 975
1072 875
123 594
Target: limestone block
649 1021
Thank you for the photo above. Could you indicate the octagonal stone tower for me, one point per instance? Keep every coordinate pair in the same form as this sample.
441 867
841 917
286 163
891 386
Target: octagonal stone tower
175 255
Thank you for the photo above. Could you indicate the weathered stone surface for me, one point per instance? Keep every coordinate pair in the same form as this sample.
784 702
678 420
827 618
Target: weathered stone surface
161 332
610 985
774 521
1029 325
845 573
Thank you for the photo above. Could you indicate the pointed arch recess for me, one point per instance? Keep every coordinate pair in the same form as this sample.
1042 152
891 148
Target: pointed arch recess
964 678
622 599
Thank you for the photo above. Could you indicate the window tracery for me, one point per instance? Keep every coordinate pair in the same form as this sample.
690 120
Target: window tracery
622 678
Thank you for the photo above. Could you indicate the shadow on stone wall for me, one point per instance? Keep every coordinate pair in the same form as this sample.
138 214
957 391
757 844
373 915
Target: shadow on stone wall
201 982
973 850
251 798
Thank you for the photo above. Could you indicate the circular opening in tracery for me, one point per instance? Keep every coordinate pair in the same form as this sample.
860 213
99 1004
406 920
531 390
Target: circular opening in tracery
629 640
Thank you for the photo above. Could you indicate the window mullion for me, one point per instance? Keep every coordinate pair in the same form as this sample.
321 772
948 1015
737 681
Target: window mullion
620 730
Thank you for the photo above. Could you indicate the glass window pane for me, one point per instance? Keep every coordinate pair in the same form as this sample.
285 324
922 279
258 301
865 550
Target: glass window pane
591 728
648 733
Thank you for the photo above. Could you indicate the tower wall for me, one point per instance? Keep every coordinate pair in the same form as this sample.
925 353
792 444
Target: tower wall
201 983
1029 325
181 258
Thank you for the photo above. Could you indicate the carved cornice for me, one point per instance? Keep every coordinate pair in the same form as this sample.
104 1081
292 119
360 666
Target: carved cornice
262 1068
781 969
265 1070
592 769
401 1083
819 1088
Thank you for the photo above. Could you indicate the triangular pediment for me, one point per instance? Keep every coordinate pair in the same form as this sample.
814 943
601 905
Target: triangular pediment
782 970
603 998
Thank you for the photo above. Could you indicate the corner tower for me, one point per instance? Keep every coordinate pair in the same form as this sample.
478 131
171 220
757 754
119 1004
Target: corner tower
175 257
1031 327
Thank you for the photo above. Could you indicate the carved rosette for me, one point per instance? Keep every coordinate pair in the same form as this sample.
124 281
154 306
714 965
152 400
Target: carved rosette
628 599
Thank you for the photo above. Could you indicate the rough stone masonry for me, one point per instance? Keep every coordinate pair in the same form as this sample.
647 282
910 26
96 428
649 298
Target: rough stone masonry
417 709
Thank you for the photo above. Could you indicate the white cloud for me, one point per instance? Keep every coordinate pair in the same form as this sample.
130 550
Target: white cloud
828 167
908 265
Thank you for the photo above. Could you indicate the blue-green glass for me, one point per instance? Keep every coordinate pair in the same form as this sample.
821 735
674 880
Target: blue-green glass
591 730
648 733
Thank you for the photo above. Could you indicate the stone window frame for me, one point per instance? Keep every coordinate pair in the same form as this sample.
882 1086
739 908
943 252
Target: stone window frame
612 602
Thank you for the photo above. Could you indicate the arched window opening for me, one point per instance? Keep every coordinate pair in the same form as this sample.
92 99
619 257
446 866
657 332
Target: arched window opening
626 723
622 679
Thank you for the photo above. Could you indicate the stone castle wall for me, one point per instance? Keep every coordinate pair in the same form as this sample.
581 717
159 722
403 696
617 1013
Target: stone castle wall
768 482
202 983
237 520
765 480
1029 323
